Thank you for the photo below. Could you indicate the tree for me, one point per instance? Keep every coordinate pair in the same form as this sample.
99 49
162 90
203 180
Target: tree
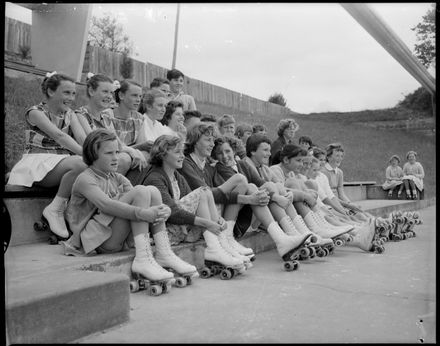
107 33
425 32
278 99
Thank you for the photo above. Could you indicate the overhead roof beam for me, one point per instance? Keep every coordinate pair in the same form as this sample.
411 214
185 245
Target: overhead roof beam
383 34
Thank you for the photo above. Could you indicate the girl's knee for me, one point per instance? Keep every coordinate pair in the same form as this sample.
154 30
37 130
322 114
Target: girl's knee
239 178
124 162
252 188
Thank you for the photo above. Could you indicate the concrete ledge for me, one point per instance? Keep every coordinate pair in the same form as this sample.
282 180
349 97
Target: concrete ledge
377 192
62 306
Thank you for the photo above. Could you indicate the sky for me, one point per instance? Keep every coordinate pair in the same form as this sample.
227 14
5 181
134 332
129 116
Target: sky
315 54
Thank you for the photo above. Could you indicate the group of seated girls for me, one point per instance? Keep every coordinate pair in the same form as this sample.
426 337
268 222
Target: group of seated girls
153 164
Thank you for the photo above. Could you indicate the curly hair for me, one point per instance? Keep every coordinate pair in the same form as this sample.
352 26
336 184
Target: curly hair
284 124
170 109
195 132
160 148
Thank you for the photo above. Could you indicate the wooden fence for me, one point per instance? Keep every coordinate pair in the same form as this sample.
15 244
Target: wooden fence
100 60
17 34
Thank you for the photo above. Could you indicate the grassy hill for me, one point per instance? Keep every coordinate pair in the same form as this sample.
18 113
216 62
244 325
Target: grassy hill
366 149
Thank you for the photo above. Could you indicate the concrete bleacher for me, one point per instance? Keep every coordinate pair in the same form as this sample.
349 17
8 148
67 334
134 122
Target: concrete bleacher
55 298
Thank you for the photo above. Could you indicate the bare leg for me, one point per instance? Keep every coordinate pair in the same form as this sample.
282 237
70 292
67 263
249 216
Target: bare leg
64 175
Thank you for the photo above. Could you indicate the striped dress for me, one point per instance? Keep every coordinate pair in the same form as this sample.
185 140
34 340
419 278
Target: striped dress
41 153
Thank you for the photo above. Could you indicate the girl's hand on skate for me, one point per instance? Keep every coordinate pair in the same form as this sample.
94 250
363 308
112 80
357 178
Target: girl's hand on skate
222 222
214 227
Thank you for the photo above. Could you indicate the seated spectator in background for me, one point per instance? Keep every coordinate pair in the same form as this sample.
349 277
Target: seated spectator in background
161 84
157 83
393 175
305 142
176 78
286 132
226 125
259 128
212 120
97 114
243 131
173 119
155 103
414 174
191 118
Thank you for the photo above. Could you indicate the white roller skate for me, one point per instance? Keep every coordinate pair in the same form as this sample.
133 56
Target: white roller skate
166 258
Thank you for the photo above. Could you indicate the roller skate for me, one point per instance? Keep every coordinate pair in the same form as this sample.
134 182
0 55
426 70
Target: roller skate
218 261
365 238
56 234
309 249
183 272
288 247
399 221
226 245
323 246
333 233
242 250
147 273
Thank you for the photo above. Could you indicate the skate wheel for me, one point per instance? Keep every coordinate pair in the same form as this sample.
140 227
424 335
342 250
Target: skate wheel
181 282
40 226
225 274
289 266
303 257
304 252
339 242
155 290
134 286
53 240
205 273
188 280
321 253
252 258
312 252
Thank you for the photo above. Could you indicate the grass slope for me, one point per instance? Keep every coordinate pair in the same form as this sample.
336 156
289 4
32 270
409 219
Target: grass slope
366 149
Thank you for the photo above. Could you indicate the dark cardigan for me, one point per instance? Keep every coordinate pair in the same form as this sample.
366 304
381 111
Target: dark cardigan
244 168
197 177
157 177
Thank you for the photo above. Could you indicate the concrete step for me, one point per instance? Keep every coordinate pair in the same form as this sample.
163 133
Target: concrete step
41 283
63 305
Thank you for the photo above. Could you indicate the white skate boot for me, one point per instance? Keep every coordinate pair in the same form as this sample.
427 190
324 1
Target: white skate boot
334 234
229 232
323 222
287 246
218 260
147 272
310 249
54 215
232 251
166 258
326 244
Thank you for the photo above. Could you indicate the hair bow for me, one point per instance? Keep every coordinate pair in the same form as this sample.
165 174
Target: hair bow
90 75
50 74
116 84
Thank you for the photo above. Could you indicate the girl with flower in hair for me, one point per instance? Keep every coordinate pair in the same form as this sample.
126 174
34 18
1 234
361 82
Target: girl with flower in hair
98 114
53 148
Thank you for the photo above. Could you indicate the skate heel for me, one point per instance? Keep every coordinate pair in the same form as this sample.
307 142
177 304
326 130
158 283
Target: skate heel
153 288
214 268
183 279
